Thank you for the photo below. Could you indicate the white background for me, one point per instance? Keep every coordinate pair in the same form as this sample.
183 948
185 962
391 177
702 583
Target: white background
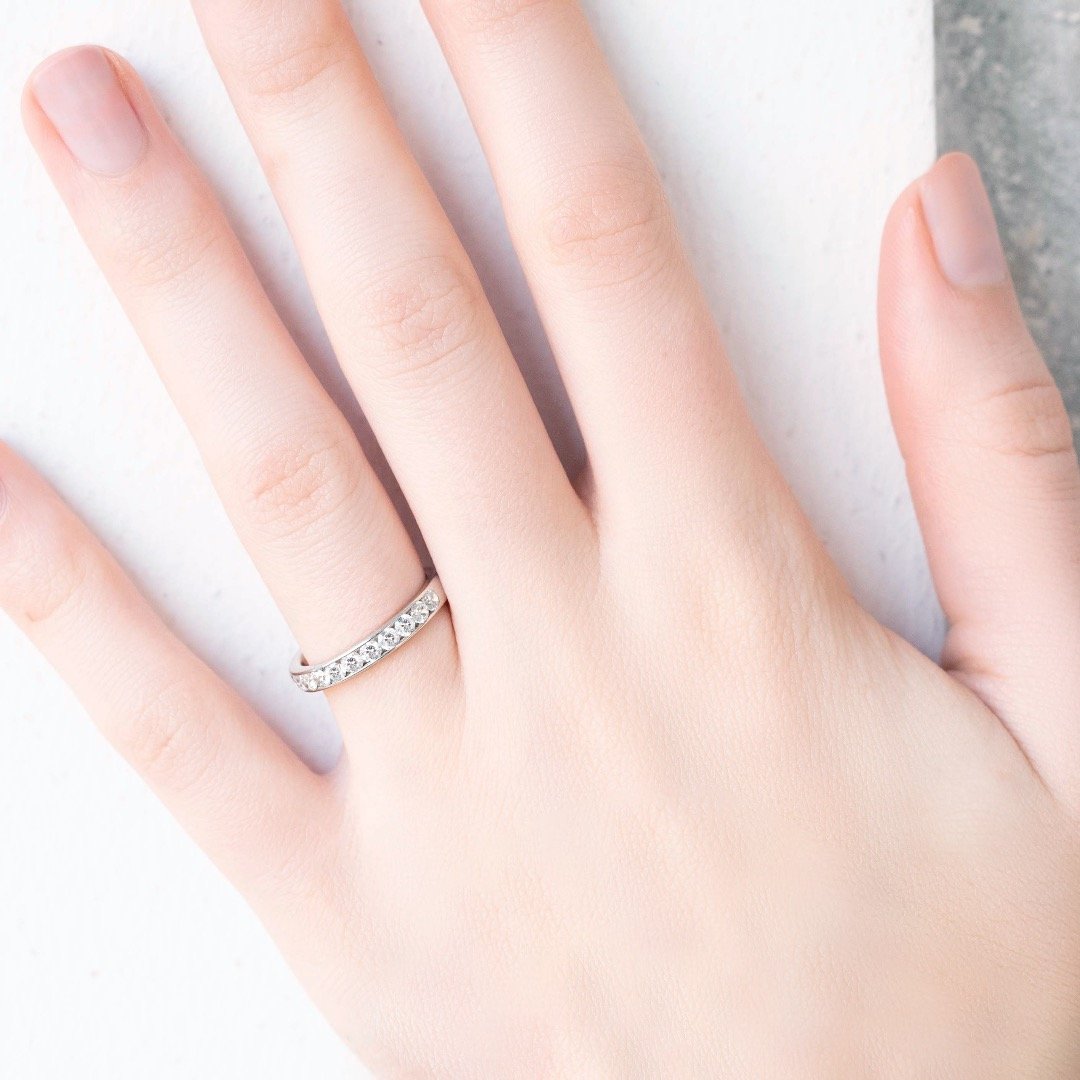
784 128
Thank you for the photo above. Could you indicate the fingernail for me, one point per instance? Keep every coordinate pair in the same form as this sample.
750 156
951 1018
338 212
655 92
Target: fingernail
961 222
80 93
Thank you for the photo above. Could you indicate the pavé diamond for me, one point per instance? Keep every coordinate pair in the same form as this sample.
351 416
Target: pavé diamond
371 652
419 614
388 638
405 625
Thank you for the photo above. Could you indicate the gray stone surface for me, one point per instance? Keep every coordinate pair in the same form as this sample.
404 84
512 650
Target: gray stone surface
1009 93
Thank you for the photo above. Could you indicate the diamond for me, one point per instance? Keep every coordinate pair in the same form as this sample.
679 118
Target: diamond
352 664
388 639
320 679
419 614
431 601
371 652
341 670
405 625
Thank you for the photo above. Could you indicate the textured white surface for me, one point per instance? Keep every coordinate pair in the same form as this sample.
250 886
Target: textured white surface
784 128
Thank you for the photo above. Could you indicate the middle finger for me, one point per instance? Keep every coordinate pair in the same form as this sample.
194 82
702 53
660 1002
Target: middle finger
400 299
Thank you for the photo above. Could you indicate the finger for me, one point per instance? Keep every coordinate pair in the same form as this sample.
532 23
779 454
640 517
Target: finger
291 474
990 455
241 793
638 349
400 300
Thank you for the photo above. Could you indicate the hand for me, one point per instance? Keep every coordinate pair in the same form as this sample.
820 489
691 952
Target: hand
655 797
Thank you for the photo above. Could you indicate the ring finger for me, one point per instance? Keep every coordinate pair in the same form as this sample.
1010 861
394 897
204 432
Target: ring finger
291 473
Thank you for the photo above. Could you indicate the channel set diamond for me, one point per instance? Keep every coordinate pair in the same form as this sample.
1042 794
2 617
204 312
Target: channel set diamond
403 627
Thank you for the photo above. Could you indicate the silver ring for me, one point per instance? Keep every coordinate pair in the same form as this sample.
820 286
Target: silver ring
403 627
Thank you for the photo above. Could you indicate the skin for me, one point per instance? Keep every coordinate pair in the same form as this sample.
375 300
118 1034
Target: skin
690 812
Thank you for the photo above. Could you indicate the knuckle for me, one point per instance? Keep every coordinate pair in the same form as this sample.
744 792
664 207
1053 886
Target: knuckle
165 735
491 17
295 68
50 591
614 222
425 318
1027 420
297 484
49 594
46 572
163 252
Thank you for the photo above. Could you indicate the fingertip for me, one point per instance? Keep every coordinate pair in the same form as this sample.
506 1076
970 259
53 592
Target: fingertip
911 292
945 290
942 232
906 203
962 224
82 97
44 67
905 240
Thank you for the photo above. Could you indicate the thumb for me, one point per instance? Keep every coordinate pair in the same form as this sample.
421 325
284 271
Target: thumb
991 463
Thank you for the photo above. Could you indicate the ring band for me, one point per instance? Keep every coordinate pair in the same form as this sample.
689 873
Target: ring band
403 627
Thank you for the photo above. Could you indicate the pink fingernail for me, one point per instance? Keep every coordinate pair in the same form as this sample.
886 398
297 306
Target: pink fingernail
80 93
961 222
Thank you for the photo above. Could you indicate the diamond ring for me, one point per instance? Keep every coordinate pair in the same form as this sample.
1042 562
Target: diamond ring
403 627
